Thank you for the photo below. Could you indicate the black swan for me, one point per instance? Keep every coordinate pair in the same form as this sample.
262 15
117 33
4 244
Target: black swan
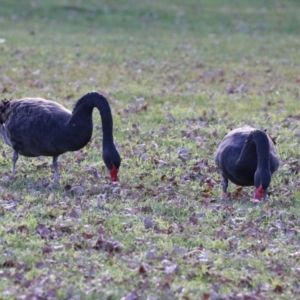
35 126
247 157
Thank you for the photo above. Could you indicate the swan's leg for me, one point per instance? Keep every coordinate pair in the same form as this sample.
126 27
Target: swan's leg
265 194
55 168
224 188
14 160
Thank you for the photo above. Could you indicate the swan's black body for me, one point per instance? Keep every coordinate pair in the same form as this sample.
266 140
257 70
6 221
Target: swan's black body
247 157
35 126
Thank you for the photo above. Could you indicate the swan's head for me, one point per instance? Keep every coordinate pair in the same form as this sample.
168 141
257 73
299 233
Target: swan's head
112 161
262 179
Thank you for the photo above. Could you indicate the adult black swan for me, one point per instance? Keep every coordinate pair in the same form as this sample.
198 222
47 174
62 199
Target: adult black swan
35 126
247 156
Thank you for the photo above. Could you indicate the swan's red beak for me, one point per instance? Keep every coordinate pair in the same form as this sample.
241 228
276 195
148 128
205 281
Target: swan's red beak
114 174
259 193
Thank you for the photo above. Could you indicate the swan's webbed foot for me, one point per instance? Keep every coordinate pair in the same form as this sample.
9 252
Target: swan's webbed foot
225 195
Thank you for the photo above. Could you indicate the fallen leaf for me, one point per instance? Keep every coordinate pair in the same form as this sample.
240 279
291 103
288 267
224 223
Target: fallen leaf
278 289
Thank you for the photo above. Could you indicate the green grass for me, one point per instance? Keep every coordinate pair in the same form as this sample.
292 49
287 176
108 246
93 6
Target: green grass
178 74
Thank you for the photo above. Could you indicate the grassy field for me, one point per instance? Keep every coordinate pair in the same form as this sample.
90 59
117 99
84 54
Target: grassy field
179 75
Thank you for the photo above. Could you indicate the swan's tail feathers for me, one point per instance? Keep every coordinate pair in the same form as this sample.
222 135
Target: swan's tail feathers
4 110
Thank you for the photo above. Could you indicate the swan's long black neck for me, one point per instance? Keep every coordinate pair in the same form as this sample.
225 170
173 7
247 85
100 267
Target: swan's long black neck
257 142
261 141
83 109
81 125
